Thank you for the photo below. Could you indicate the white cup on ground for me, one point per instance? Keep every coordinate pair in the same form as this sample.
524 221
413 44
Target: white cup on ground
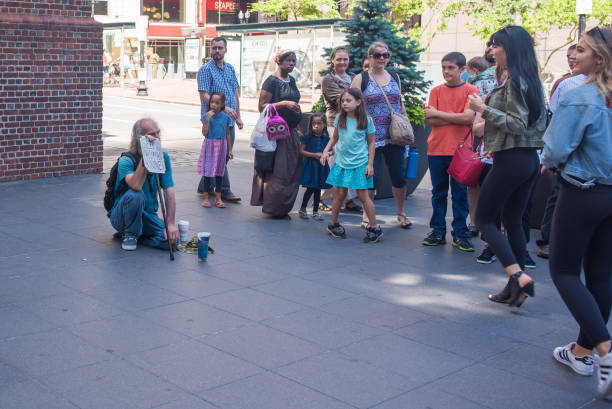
183 226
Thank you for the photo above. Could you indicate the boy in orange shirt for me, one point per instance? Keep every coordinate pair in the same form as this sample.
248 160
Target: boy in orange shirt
451 119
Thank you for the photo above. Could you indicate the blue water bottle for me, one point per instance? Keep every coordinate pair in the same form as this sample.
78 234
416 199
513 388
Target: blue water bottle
413 163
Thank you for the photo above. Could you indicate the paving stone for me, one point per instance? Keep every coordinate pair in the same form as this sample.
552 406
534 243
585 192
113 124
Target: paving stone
50 351
262 345
281 393
32 395
245 274
113 384
486 386
410 359
349 380
188 402
31 287
193 365
429 398
375 313
252 304
188 283
16 321
193 318
125 334
10 375
304 291
323 328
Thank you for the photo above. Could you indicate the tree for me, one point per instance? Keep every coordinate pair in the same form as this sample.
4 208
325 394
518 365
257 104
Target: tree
538 17
368 23
298 9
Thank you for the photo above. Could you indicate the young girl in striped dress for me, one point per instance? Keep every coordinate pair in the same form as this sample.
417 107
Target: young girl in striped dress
216 147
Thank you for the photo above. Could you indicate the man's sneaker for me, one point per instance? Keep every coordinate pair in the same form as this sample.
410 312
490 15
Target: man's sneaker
529 263
582 366
486 257
373 234
336 230
129 243
463 243
434 238
543 251
604 376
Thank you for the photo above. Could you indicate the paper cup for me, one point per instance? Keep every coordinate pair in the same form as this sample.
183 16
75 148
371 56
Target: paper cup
183 226
203 239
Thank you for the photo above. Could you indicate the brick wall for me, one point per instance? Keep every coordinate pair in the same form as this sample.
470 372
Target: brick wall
50 89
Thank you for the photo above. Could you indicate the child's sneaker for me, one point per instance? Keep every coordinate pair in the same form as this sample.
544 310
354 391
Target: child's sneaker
582 366
303 214
373 234
434 238
486 257
336 230
604 376
317 216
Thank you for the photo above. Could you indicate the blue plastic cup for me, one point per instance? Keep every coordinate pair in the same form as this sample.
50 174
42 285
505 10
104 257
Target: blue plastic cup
203 238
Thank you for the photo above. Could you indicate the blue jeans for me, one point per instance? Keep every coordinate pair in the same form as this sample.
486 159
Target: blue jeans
209 185
129 217
438 166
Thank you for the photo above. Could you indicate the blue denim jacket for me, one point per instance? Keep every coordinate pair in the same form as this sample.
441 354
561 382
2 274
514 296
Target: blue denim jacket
578 141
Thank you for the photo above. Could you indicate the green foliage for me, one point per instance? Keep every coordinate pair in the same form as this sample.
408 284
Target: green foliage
369 23
298 9
319 106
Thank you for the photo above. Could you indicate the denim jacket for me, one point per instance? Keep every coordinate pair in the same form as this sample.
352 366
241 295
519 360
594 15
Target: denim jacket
506 120
578 141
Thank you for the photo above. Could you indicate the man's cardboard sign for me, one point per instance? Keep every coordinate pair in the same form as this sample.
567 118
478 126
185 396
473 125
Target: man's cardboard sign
152 155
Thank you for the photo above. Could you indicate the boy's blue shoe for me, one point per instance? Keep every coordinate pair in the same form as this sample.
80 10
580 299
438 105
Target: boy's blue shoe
434 238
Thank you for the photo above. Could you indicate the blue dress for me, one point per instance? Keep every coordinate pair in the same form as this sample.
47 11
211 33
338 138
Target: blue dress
313 173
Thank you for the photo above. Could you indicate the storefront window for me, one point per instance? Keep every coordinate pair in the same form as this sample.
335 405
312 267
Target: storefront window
100 7
226 11
168 11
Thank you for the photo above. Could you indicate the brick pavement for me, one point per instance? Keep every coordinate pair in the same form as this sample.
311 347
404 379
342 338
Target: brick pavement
281 316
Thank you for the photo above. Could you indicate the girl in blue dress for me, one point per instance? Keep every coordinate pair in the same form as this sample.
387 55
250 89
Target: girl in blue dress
354 164
314 173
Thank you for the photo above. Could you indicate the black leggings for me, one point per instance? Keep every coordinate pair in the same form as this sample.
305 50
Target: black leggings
506 191
317 198
581 234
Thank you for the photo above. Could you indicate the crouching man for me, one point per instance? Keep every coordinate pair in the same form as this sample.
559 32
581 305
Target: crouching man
134 213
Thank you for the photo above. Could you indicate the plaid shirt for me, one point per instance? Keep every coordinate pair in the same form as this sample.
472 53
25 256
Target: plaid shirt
211 79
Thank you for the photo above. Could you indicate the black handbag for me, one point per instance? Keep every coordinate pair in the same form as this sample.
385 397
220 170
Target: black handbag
264 161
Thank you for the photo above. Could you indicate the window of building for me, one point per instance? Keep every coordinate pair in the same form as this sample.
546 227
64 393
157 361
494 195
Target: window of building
168 11
100 7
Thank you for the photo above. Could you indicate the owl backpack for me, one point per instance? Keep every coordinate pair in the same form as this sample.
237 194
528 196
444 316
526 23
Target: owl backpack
276 127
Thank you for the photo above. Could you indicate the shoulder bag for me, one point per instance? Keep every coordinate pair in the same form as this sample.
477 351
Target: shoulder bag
466 166
400 129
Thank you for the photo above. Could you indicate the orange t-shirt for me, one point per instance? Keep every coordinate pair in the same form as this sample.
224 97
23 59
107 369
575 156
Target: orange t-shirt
443 140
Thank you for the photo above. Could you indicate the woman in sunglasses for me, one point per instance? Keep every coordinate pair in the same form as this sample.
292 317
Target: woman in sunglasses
578 145
515 121
374 83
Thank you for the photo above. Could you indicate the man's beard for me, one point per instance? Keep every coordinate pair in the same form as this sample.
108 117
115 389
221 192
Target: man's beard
217 57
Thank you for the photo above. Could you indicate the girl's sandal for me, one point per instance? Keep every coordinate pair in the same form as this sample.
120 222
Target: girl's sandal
303 214
324 208
317 216
206 203
403 221
365 225
220 205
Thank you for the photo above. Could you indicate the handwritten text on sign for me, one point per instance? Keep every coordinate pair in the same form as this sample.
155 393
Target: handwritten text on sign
152 155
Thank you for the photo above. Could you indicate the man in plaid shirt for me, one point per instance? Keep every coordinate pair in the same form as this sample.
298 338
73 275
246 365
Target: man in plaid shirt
219 76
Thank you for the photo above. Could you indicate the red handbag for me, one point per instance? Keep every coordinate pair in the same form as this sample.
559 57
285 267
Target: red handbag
466 166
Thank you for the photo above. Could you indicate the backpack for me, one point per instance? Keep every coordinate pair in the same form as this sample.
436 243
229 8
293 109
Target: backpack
109 195
276 127
365 78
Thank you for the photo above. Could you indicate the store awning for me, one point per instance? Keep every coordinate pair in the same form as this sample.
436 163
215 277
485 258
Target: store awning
279 26
119 25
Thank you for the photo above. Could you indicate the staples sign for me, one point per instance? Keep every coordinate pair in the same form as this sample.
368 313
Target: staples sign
225 5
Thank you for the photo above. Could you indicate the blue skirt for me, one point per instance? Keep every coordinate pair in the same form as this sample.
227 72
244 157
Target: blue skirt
314 175
350 178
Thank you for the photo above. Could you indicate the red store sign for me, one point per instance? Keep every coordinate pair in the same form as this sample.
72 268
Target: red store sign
226 5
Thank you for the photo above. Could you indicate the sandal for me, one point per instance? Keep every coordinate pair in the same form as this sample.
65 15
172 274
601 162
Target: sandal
220 205
206 203
365 225
317 216
323 207
303 214
403 221
351 206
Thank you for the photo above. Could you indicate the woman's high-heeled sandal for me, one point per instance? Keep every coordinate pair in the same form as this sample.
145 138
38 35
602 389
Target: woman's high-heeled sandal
518 294
503 296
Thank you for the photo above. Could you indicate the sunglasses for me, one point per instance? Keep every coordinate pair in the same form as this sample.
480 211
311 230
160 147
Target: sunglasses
601 34
379 55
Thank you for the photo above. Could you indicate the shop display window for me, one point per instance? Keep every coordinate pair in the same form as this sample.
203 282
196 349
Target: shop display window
168 11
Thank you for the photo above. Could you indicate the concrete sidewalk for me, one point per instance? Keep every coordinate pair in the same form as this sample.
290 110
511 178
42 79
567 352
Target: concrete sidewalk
281 316
183 92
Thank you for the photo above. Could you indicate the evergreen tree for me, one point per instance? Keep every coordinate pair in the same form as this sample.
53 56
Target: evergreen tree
370 23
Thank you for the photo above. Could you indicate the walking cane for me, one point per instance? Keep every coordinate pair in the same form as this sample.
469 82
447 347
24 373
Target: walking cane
163 209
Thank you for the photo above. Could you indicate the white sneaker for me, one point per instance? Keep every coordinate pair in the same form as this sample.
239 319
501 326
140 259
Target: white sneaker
604 376
582 366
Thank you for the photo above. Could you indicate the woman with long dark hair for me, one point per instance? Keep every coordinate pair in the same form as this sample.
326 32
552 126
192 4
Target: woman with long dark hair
578 145
515 120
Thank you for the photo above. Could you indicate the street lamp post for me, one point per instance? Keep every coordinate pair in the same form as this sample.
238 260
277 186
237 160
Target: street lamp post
583 7
142 86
